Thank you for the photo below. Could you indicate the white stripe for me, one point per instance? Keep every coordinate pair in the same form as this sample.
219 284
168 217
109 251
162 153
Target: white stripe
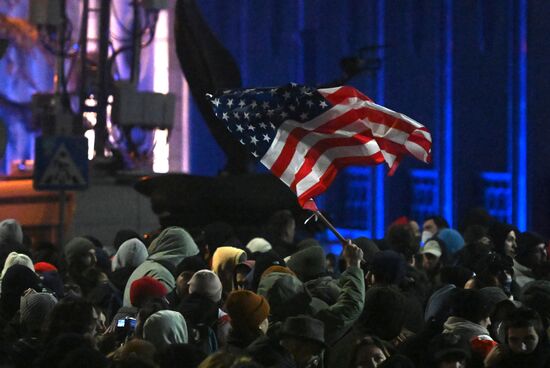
328 157
310 140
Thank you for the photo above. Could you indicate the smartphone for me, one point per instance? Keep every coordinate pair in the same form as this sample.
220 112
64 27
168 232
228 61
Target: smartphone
126 323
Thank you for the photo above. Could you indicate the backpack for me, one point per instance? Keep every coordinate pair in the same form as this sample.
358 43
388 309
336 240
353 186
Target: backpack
203 337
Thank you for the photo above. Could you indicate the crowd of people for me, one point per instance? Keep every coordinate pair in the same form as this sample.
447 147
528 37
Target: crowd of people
423 296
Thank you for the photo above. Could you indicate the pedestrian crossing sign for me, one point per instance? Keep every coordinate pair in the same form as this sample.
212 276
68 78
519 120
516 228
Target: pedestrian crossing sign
61 163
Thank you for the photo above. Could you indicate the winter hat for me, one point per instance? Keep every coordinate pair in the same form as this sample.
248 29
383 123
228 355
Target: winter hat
17 279
368 247
527 241
17 258
76 248
191 264
53 282
432 247
448 344
164 328
308 242
384 312
131 253
493 295
286 294
11 232
144 288
246 309
44 267
279 269
388 267
207 284
34 307
304 327
122 235
452 239
258 245
308 263
263 262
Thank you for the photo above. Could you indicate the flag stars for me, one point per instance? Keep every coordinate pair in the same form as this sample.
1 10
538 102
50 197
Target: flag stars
216 102
270 112
242 142
236 115
242 103
265 105
240 128
255 154
309 103
323 104
253 140
254 104
251 127
247 115
272 126
230 102
225 116
284 114
266 138
303 116
263 125
258 115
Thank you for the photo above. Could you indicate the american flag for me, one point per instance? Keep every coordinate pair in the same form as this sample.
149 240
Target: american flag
305 135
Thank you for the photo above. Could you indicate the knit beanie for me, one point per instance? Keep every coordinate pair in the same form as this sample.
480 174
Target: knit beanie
207 284
280 269
17 258
452 239
164 328
258 245
34 307
11 232
246 309
76 248
144 288
308 263
44 267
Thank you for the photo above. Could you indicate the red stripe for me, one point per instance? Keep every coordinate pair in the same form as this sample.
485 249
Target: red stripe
421 141
330 173
342 94
296 135
321 147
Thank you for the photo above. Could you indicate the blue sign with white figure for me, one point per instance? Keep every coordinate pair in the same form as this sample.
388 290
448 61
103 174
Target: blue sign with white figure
61 163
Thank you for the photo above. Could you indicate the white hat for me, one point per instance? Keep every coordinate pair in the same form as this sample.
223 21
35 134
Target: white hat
432 247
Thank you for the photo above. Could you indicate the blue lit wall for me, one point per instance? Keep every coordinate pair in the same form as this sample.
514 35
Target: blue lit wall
472 72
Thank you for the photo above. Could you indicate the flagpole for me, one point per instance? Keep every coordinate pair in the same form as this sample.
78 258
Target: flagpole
343 240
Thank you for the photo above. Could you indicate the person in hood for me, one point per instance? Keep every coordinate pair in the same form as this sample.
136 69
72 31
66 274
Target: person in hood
17 279
172 246
165 328
11 238
16 258
309 265
129 256
525 342
531 253
504 237
470 311
431 226
223 264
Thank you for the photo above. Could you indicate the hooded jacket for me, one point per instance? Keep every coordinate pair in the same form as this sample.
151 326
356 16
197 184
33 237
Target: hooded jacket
465 328
172 246
165 328
223 263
